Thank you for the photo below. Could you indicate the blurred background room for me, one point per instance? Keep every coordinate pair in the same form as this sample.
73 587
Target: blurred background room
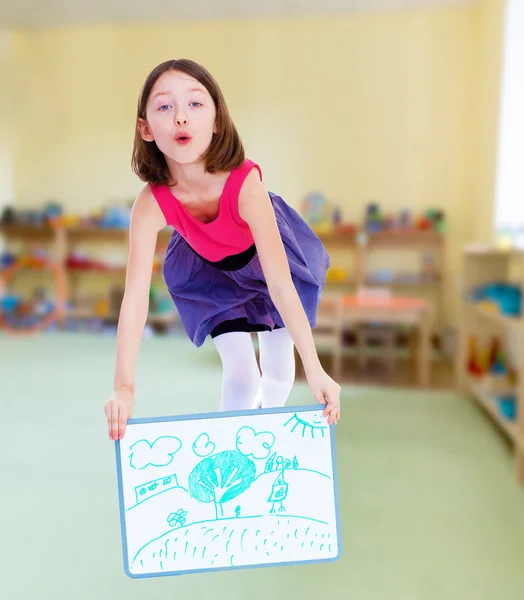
396 129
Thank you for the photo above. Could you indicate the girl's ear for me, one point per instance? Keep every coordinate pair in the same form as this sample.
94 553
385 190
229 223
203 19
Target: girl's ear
145 131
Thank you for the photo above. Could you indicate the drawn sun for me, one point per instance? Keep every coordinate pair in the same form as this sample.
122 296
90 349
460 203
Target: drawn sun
309 424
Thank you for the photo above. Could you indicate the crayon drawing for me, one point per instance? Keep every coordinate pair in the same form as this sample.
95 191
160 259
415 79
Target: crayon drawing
223 491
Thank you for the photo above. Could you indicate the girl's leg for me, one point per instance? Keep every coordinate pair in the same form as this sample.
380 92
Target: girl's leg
241 375
277 361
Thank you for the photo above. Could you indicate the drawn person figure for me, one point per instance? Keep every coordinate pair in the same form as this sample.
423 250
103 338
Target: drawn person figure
240 258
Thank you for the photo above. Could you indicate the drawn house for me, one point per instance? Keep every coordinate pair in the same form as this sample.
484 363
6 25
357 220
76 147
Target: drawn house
278 493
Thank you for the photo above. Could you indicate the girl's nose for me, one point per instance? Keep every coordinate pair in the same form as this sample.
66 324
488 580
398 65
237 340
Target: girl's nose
181 119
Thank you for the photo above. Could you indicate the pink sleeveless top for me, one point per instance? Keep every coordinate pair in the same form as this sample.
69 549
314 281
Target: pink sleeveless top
227 234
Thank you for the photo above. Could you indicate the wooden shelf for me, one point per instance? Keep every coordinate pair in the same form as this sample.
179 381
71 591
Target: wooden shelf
481 266
111 272
74 233
341 282
338 238
343 239
363 244
494 316
484 251
398 282
88 315
106 271
405 237
96 233
490 405
28 231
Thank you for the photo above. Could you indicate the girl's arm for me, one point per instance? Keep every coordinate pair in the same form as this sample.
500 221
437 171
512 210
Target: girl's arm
255 207
146 221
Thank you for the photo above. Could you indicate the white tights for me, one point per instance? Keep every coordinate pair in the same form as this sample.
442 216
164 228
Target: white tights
242 385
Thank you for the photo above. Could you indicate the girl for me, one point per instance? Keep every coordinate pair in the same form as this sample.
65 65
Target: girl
239 260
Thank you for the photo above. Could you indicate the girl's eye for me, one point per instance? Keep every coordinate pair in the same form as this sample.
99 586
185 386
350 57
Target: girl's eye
164 106
193 103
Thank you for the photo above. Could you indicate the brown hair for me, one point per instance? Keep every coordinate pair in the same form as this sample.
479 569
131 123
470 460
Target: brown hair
225 152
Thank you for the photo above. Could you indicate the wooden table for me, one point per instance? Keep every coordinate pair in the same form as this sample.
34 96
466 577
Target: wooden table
391 311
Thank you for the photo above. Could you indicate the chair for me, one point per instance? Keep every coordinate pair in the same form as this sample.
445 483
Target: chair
375 332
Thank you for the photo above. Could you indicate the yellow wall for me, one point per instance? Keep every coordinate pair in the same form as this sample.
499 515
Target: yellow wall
378 106
489 24
6 102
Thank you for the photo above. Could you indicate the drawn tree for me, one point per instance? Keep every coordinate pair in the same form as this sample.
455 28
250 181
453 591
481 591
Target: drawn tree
279 463
270 462
221 478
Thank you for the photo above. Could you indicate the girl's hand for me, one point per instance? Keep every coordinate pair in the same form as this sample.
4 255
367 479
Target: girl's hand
326 391
118 410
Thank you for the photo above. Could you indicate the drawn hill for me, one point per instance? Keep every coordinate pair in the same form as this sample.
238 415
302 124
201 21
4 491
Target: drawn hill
248 532
155 512
237 541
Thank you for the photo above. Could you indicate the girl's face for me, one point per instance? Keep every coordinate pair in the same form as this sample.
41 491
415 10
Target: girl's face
180 117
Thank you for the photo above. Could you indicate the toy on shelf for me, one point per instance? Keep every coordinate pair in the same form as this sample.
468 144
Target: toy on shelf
376 220
497 377
116 217
19 315
337 216
324 217
502 298
382 276
430 270
78 261
50 213
160 303
436 219
315 209
405 220
31 258
337 275
487 361
7 259
473 362
508 406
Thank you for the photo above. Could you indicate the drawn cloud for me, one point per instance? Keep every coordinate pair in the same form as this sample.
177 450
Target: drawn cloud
203 446
158 454
257 445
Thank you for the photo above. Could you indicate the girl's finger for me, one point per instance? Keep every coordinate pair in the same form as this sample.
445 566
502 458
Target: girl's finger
114 422
321 398
122 419
109 414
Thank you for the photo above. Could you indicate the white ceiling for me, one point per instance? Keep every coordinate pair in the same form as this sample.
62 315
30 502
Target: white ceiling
46 13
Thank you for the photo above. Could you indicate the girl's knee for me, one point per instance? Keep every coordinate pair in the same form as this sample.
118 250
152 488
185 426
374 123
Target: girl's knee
280 372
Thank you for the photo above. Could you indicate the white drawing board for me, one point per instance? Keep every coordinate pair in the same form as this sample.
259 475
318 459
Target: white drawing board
228 490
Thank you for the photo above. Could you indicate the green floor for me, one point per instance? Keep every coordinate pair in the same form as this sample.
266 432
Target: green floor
429 505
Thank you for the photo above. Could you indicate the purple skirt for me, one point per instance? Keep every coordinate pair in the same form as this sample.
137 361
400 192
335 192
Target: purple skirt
206 296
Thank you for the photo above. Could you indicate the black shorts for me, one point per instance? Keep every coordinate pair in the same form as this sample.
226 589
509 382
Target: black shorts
239 325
